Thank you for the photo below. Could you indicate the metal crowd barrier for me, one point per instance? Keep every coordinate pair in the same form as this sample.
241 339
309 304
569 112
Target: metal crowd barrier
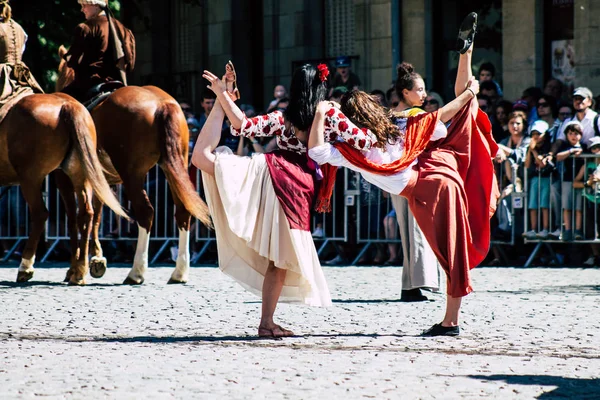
358 212
590 198
373 205
14 218
507 217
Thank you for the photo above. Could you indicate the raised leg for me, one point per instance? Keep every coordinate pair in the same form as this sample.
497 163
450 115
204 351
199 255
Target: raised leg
464 72
32 193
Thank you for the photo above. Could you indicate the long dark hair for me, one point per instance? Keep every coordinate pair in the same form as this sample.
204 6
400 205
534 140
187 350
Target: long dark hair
366 112
406 78
306 91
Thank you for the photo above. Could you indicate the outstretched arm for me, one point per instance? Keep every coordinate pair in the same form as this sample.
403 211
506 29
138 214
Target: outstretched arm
265 125
333 124
317 130
450 109
208 139
232 111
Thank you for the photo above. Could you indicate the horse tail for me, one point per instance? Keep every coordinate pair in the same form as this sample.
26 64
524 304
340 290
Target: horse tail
81 128
169 119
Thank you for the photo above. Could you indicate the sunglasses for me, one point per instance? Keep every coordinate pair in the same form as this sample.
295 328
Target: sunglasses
395 104
432 101
544 104
565 114
483 108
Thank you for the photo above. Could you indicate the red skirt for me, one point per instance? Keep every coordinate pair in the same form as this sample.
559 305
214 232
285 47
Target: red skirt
453 196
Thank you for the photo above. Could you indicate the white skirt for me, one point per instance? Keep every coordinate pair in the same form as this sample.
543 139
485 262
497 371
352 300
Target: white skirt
251 230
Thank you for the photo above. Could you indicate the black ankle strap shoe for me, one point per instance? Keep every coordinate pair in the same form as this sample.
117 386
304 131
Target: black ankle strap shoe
466 34
439 330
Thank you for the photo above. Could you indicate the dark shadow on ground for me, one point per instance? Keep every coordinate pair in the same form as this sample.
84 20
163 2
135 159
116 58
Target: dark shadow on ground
360 301
567 388
65 265
12 284
550 289
375 301
185 339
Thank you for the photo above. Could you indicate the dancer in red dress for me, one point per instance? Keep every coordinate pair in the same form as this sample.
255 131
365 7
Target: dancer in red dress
449 181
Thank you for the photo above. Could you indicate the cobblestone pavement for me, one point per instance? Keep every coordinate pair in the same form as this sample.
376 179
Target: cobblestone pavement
527 333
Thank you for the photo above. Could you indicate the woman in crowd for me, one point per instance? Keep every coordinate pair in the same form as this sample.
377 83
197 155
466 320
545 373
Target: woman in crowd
500 125
449 183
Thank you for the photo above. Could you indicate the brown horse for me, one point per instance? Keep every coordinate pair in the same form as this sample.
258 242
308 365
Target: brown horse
43 133
139 127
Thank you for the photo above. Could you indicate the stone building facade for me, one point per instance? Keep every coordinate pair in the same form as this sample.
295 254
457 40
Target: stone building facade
266 39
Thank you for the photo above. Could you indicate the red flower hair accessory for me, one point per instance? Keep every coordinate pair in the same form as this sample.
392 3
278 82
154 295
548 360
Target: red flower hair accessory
323 72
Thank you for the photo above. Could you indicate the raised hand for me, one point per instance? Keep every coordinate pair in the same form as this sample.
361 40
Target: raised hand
215 84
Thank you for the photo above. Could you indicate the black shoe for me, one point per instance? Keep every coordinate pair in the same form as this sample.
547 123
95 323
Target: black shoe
439 330
412 295
466 34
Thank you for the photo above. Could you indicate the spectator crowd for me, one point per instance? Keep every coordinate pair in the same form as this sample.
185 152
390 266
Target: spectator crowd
548 169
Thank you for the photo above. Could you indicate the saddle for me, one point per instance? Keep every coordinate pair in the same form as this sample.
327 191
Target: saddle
98 93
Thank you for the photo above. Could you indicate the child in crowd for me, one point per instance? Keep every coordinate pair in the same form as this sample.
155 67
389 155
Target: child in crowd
571 197
588 179
540 175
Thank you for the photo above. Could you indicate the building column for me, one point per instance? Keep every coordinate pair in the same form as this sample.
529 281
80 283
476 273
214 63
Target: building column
417 36
522 46
587 44
373 38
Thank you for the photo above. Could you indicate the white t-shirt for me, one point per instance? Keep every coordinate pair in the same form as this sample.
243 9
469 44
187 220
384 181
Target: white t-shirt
393 184
587 123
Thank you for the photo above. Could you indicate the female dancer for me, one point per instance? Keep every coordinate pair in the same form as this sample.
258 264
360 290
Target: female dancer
449 185
261 205
419 265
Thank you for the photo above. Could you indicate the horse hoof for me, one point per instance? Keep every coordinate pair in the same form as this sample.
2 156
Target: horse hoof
130 281
76 282
97 267
176 281
24 276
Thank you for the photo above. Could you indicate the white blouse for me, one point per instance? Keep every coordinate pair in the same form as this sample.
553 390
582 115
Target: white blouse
395 183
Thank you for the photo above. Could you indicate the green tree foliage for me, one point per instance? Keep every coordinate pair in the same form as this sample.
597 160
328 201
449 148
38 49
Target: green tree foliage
49 24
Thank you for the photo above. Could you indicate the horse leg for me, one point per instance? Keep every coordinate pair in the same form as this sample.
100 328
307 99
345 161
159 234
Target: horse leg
67 193
84 223
182 266
144 215
98 261
32 193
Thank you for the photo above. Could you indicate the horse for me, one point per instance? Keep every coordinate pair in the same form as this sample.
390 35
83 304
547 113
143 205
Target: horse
42 133
139 127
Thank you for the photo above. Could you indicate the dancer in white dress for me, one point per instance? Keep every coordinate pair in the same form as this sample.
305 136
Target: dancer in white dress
261 205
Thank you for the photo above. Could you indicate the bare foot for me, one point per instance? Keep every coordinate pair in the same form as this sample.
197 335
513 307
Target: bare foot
274 331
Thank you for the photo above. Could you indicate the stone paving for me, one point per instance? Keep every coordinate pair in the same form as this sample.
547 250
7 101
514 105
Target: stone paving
527 333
